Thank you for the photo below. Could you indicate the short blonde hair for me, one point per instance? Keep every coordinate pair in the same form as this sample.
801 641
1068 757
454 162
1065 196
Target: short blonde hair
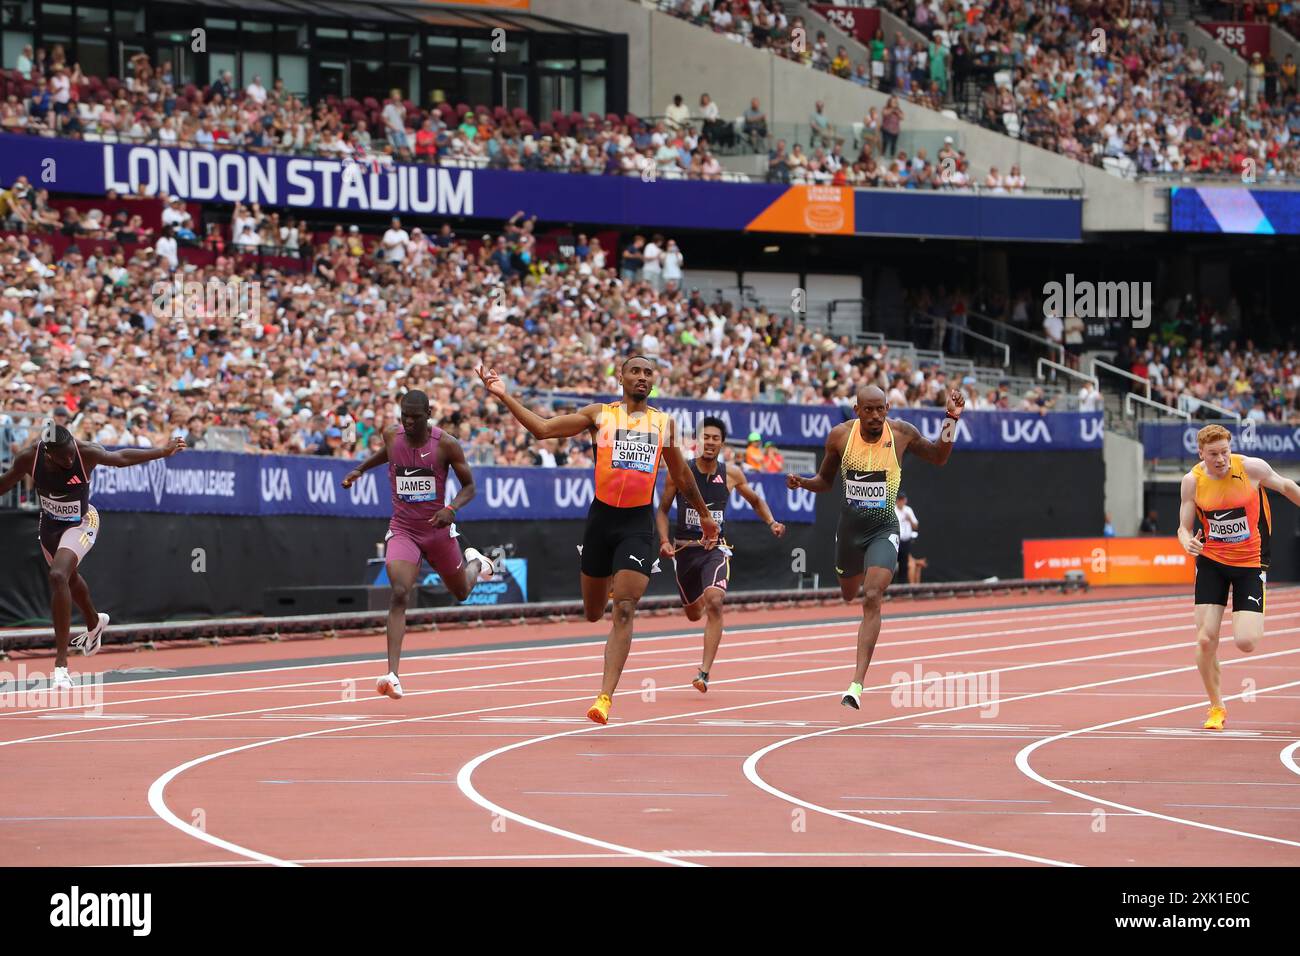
1212 433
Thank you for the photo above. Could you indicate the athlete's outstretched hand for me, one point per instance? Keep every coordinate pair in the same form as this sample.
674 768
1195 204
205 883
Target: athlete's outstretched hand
443 519
1194 545
710 529
956 402
351 478
492 381
173 446
793 481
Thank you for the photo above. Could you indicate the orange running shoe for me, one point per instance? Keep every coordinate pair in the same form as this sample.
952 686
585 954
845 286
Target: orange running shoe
1215 718
599 711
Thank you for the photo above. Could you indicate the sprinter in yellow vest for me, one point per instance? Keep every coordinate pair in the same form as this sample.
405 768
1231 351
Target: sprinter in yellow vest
868 453
1226 492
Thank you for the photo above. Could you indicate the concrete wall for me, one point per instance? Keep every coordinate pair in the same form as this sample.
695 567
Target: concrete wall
1124 474
668 56
1234 67
1281 43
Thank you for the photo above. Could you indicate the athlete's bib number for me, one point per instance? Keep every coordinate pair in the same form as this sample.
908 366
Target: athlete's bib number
1228 526
634 450
693 517
416 484
866 489
61 510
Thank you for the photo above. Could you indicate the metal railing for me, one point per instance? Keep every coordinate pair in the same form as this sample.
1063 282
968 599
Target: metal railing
1199 403
1114 370
1007 327
1132 397
981 337
1074 373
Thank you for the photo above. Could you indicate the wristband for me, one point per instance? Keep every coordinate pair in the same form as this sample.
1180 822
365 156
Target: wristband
450 508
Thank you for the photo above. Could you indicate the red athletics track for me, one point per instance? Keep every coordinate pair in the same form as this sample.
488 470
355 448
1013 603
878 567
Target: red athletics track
1083 748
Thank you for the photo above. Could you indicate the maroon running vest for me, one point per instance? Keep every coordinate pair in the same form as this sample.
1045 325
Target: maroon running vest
418 477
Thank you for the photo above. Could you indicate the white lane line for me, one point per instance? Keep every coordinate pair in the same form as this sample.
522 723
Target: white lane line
1229 806
1190 783
615 793
751 764
542 680
157 789
1287 756
1022 760
946 799
464 778
924 625
512 857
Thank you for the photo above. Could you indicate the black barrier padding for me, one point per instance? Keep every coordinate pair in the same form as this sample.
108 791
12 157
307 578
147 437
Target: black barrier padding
974 512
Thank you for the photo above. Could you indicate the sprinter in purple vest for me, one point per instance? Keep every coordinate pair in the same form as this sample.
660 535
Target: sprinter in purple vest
60 468
418 455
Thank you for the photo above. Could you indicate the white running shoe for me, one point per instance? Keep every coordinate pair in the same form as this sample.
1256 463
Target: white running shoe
88 641
485 564
853 696
389 686
61 679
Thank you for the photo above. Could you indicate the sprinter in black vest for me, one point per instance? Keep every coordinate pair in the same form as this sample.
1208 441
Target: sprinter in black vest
60 468
702 573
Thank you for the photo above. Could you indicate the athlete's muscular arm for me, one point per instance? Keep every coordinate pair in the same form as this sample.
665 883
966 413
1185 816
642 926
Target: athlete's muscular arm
736 480
374 461
1192 544
661 518
824 480
92 454
1257 469
684 480
21 467
454 456
936 453
561 426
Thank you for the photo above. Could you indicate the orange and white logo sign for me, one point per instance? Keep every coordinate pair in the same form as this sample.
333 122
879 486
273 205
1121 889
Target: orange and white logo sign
1110 561
818 209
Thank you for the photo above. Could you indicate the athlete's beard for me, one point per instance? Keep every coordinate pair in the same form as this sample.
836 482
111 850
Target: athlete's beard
873 431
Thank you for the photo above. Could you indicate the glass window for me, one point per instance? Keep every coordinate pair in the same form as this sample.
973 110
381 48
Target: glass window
92 55
440 50
593 66
555 93
257 64
291 38
369 78
368 43
514 91
13 16
402 46
555 63
128 18
405 77
478 87
93 19
516 52
332 40
13 46
443 85
593 94
219 63
333 78
56 18
222 34
258 36
293 70
476 51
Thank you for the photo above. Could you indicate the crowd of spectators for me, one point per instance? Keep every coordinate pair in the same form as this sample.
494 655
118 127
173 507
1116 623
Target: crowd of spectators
322 361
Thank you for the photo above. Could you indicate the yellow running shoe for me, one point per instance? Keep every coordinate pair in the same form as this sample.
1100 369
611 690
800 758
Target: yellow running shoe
1215 718
599 711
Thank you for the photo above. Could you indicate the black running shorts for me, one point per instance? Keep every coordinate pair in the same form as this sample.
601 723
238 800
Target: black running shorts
618 539
1213 580
699 569
862 543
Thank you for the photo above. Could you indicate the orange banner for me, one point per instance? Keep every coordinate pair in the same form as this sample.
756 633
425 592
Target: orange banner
1106 561
820 209
499 4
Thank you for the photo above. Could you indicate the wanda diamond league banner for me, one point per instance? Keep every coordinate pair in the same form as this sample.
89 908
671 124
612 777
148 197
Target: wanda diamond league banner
1110 561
